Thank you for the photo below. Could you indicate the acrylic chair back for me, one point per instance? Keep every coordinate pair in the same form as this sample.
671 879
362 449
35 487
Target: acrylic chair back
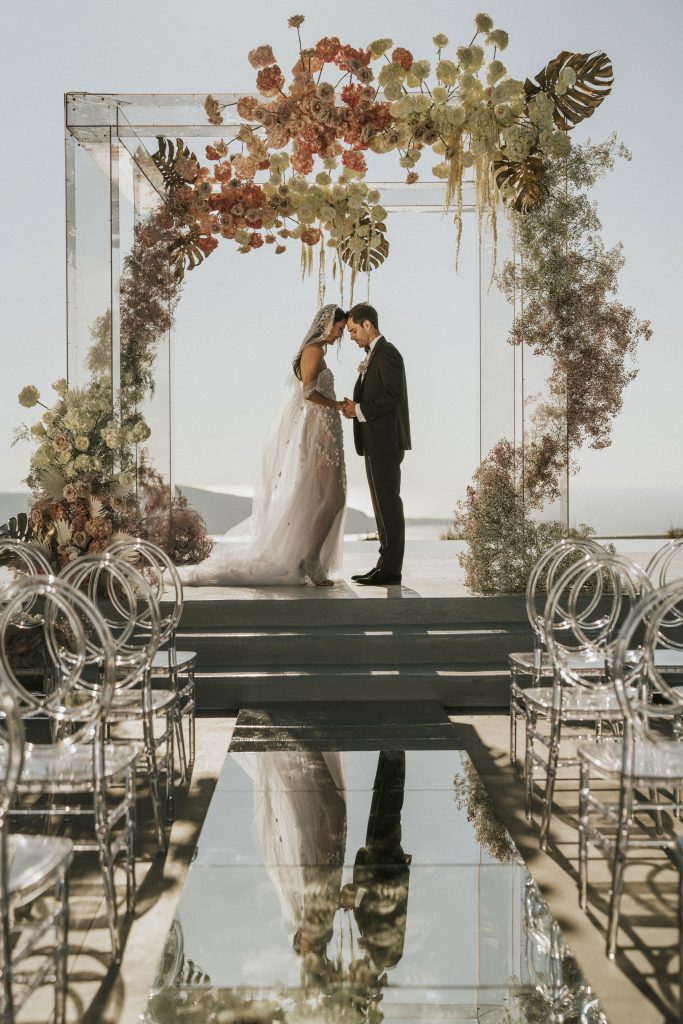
646 629
17 559
70 623
584 611
124 598
544 575
159 571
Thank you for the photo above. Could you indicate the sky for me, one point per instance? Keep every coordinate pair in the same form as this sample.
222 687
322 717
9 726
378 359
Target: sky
241 319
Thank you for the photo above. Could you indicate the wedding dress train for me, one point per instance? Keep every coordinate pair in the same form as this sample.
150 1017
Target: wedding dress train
297 524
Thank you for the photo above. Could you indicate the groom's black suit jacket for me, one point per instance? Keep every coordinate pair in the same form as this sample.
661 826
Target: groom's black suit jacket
383 398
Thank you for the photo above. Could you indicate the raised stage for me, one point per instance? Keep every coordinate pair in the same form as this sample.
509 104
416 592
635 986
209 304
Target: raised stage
429 638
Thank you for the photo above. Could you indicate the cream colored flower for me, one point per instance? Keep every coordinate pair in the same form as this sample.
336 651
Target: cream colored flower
296 21
441 170
379 47
38 430
484 22
82 443
496 70
439 94
29 396
567 76
499 38
69 493
441 40
392 92
60 386
447 72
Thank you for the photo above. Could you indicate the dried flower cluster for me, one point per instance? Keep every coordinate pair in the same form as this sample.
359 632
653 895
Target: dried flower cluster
568 278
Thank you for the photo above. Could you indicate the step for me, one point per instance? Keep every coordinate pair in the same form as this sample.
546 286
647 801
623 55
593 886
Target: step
352 645
233 613
454 686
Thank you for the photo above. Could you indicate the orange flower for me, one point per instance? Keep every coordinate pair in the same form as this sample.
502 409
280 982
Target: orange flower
269 81
246 105
261 57
327 48
255 240
354 160
207 243
311 236
403 57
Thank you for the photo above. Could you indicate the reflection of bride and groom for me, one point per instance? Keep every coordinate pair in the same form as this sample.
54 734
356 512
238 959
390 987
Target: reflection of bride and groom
300 818
296 529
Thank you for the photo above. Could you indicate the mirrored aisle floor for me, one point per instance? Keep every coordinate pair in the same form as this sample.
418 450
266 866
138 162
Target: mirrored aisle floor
359 885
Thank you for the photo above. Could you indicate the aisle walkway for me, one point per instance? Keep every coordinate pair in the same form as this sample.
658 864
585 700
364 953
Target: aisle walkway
352 868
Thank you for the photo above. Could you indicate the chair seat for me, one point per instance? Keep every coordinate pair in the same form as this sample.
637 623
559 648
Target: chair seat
600 701
666 657
654 762
587 663
33 863
161 661
129 703
71 765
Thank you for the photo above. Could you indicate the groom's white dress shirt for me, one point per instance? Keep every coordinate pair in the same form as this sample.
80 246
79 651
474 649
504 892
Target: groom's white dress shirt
359 415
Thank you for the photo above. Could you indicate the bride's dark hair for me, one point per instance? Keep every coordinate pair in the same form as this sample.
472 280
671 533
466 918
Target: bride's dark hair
339 314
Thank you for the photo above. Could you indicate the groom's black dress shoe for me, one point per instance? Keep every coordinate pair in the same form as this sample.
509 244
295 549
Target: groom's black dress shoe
365 575
378 579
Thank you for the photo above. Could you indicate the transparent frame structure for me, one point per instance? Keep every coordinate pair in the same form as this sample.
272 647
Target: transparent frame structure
112 184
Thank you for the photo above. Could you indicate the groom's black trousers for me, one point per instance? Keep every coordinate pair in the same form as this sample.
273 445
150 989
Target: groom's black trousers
384 479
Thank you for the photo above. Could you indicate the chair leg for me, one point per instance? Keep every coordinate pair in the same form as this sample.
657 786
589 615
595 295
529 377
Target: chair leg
551 775
193 714
61 946
107 868
513 716
131 823
619 865
531 721
153 775
584 822
169 754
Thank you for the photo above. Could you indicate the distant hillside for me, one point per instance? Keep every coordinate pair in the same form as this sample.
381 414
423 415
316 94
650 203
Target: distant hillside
220 511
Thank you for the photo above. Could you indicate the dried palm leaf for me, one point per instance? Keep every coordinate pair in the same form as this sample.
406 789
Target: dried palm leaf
594 79
166 158
371 256
185 254
524 176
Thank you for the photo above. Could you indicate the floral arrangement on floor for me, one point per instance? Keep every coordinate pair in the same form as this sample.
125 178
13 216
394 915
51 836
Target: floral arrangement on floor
463 107
83 475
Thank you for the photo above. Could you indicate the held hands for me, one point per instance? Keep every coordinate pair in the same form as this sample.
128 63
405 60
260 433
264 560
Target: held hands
349 408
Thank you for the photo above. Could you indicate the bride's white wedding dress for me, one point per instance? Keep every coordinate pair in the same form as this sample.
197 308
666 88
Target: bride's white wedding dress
297 524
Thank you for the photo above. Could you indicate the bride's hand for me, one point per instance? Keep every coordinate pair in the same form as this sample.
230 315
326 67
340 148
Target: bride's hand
339 406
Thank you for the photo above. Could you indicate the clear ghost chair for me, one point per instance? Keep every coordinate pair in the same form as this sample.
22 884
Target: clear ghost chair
582 614
169 663
125 600
31 869
645 763
73 758
537 664
19 558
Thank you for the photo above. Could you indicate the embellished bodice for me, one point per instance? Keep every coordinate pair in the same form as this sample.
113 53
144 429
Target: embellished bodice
326 426
325 383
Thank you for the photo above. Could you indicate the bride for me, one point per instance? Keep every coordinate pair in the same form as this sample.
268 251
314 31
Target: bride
296 529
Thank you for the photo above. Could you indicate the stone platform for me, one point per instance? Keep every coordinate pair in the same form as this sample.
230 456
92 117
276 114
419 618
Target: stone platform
429 638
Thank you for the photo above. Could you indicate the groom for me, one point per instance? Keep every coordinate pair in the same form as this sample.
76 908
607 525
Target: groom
381 432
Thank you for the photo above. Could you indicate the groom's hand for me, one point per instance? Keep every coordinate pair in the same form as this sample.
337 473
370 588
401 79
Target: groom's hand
349 408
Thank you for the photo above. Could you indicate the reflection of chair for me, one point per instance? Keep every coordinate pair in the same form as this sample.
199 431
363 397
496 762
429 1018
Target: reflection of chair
646 764
30 867
537 664
552 971
75 759
177 666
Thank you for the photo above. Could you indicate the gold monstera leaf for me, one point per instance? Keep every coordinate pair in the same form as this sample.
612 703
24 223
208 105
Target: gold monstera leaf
167 158
524 176
594 79
370 256
185 254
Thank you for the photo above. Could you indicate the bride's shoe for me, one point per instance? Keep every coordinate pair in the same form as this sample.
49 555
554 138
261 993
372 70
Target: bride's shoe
315 573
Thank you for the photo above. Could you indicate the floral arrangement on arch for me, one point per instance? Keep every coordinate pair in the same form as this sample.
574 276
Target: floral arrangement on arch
463 107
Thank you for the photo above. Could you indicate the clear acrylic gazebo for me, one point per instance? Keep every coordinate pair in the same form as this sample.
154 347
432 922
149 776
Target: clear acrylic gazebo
112 184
